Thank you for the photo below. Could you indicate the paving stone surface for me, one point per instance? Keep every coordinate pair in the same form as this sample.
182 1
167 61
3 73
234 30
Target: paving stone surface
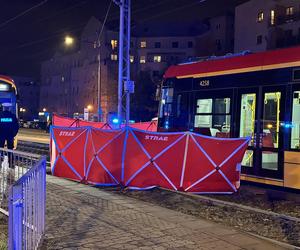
82 217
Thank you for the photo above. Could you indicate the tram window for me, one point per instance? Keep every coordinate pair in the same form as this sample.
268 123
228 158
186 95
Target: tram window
270 160
296 75
248 158
166 102
222 106
271 122
295 132
247 121
213 114
204 106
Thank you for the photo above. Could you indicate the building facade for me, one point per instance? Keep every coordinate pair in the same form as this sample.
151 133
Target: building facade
265 25
69 81
28 97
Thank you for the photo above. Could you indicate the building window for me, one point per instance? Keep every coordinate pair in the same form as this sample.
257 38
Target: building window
259 39
289 11
155 73
114 44
175 44
62 79
190 44
272 20
218 44
260 17
157 59
142 59
218 26
114 57
157 45
131 59
143 44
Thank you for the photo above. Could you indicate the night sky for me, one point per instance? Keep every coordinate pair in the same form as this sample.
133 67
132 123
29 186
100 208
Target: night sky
33 37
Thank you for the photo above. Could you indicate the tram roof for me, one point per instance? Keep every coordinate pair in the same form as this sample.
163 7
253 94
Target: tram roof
8 80
275 59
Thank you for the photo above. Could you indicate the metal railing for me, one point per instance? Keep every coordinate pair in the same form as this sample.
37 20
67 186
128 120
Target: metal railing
23 197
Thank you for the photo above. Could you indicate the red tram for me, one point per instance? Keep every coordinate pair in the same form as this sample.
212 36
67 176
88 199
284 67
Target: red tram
255 95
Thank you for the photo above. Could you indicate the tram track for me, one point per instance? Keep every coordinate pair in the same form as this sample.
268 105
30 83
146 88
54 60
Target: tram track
34 147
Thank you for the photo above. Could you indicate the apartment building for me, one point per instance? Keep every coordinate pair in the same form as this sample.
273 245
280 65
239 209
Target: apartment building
69 81
268 24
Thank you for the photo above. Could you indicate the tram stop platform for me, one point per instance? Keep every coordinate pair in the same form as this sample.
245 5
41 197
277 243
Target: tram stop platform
83 217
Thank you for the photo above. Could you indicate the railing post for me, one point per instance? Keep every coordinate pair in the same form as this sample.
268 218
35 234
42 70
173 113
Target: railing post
15 218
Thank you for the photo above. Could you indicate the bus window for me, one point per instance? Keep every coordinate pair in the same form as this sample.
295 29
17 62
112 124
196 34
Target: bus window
295 138
213 114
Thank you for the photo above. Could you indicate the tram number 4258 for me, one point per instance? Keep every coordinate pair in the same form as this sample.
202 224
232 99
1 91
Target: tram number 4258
204 83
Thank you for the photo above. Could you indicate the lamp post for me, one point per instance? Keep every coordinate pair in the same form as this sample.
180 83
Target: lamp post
69 41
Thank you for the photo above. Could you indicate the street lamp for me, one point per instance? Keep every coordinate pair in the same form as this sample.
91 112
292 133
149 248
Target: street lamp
44 109
89 107
69 41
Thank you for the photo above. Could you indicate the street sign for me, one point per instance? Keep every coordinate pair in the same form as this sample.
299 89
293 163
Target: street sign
129 86
86 114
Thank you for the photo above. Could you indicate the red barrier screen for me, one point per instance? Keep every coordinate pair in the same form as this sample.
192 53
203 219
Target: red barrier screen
140 159
69 122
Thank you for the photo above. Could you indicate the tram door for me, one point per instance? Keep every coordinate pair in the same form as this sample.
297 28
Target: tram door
261 116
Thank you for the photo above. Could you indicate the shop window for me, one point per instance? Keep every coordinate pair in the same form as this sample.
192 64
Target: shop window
213 117
295 131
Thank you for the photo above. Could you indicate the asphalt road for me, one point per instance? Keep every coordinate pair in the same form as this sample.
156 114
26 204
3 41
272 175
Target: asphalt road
33 135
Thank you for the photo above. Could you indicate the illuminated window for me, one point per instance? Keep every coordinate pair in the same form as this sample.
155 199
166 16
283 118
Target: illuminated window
62 79
143 59
289 11
157 59
114 44
260 17
114 57
272 21
131 59
295 125
143 44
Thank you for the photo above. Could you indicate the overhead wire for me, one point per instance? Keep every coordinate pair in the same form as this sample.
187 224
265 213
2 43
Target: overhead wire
22 13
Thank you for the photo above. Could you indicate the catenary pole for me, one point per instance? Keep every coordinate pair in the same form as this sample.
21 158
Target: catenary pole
124 59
